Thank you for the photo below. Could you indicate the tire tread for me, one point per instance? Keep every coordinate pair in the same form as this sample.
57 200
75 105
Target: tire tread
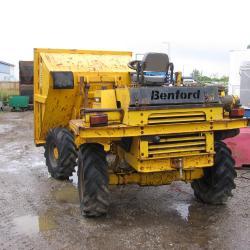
218 181
67 153
92 167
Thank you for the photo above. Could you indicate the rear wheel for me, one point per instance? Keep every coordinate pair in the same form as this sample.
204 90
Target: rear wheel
218 181
93 180
60 153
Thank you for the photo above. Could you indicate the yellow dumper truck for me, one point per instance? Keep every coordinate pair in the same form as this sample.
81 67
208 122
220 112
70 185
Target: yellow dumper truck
131 122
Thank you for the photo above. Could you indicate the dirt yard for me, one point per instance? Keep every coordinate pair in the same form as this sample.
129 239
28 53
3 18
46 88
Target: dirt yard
38 212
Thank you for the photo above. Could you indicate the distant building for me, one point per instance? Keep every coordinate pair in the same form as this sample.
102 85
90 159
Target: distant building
239 78
238 58
6 71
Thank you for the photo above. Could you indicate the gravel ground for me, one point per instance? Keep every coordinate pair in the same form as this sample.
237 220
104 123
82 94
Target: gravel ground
38 212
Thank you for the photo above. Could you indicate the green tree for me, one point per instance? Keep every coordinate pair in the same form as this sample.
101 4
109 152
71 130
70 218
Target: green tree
224 79
196 75
205 79
199 77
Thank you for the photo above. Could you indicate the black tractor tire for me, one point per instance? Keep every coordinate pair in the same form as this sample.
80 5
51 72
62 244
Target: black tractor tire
218 181
224 145
62 164
93 180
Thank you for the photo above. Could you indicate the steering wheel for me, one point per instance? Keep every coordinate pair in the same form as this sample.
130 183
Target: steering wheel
134 64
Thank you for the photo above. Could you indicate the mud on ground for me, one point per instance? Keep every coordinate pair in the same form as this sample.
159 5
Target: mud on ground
38 212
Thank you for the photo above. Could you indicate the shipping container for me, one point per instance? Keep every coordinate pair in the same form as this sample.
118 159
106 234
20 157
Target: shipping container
26 79
26 72
27 90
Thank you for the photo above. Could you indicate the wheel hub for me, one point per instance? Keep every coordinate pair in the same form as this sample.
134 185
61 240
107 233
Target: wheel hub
56 153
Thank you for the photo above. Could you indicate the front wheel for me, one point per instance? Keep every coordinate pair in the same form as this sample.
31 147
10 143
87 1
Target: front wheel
218 181
93 180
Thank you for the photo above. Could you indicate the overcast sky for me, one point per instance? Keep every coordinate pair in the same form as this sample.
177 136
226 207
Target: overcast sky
198 34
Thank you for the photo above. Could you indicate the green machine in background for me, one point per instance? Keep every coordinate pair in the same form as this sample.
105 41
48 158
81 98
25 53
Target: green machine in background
19 103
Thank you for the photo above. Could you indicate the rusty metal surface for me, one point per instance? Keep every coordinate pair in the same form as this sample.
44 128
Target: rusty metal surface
26 72
26 79
27 90
86 62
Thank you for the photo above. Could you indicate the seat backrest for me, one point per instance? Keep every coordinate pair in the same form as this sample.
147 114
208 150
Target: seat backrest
155 62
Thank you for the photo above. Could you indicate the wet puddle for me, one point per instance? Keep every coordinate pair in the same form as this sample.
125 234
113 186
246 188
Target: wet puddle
29 224
5 128
183 210
66 194
69 192
9 169
37 164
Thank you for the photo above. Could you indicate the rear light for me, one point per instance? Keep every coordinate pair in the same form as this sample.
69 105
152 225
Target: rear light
237 113
98 120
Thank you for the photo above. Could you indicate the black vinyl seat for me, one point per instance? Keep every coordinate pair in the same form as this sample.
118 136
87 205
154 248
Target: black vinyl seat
151 70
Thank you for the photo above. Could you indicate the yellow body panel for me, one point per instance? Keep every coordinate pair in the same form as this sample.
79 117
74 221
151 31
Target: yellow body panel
56 107
121 130
86 61
189 162
154 179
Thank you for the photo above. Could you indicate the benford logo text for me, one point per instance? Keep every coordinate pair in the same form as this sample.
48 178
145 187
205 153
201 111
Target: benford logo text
158 95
